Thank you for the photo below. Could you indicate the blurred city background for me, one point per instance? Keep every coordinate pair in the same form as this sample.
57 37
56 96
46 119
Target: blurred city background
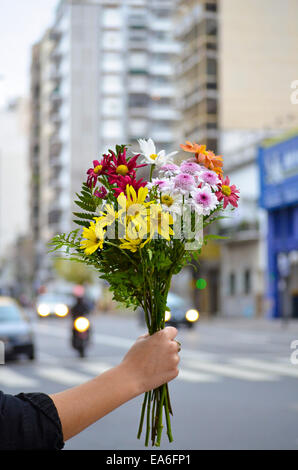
78 77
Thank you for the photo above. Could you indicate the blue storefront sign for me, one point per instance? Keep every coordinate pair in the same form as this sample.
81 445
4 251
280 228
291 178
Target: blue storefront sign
278 165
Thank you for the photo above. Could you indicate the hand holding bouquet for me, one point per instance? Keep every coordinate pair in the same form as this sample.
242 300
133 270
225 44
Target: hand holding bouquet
137 234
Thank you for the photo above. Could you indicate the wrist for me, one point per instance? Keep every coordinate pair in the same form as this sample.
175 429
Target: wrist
130 379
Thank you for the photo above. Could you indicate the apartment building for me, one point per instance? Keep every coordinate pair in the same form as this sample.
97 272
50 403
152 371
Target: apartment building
196 30
197 78
101 75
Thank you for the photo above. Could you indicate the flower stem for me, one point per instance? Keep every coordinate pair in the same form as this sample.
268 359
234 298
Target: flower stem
148 419
159 425
151 172
168 420
142 415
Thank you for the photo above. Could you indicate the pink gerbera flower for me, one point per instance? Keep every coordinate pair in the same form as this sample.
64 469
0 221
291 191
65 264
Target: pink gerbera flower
210 177
204 198
170 169
184 182
227 193
191 168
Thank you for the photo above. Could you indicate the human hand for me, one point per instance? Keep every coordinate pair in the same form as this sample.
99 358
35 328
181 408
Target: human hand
153 360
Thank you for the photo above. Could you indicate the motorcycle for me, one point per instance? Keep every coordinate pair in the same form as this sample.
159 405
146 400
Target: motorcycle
81 335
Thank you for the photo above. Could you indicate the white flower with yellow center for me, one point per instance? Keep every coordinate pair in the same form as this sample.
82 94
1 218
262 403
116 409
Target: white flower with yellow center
151 156
171 202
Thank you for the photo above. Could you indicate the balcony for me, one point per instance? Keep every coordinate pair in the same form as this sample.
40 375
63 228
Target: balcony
166 114
162 68
164 47
162 91
162 135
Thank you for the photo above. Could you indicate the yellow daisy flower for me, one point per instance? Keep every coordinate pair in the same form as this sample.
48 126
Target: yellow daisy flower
93 238
134 237
159 221
133 206
108 216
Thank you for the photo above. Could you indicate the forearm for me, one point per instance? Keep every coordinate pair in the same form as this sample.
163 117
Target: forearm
81 406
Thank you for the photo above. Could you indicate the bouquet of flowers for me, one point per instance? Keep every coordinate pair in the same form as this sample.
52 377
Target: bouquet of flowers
137 234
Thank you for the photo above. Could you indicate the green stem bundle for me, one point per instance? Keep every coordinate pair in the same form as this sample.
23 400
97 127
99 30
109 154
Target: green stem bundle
156 402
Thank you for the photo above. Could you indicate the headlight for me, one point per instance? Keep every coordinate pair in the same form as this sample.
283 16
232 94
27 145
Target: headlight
81 324
192 315
61 310
43 310
167 315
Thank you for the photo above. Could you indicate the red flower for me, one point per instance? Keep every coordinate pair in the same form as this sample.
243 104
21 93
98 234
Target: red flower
227 192
101 193
123 181
120 166
99 168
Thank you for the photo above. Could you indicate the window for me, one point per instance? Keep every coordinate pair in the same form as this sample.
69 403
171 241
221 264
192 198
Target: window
232 284
138 100
211 27
138 60
112 84
211 7
112 18
112 128
247 281
211 106
112 106
211 66
112 62
112 40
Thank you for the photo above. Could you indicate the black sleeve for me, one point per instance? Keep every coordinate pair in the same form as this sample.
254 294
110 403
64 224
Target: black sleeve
29 421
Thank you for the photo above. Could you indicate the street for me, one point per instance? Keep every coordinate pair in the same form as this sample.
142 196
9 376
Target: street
237 387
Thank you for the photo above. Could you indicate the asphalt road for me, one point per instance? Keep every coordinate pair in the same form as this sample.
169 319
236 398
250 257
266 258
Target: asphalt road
237 388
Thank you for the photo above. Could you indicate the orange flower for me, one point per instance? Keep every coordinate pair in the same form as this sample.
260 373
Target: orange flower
193 148
210 161
205 157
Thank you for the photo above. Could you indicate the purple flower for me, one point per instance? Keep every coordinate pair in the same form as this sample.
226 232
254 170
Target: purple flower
184 182
209 177
205 198
190 168
170 169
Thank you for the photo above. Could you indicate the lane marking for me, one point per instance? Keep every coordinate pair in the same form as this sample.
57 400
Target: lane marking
96 368
230 371
62 375
11 378
191 376
282 369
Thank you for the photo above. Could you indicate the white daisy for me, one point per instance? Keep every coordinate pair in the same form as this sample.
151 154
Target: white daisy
148 150
171 202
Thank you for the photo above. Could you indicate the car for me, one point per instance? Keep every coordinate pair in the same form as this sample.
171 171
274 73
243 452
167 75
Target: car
53 304
16 333
180 312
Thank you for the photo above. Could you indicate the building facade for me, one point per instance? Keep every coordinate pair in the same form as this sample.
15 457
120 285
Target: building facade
278 166
257 64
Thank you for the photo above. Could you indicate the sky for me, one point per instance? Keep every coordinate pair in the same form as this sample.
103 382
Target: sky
22 23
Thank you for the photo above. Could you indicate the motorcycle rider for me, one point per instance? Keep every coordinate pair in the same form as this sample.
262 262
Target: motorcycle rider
81 305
